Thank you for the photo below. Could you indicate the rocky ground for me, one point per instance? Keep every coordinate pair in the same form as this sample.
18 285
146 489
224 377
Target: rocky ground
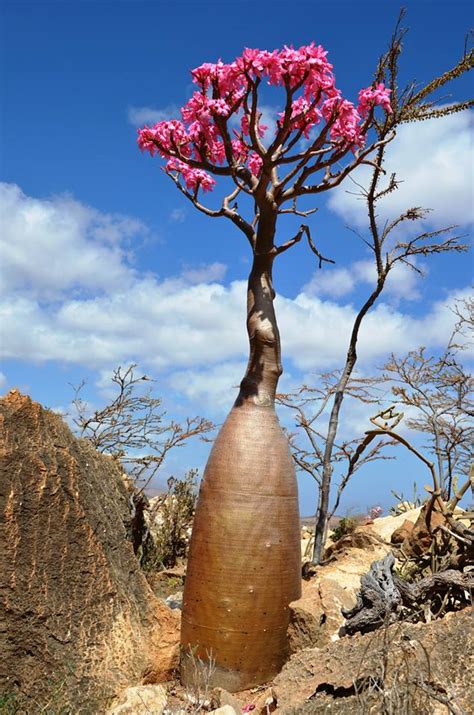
83 631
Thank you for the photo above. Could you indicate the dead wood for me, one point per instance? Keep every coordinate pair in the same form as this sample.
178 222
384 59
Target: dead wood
385 598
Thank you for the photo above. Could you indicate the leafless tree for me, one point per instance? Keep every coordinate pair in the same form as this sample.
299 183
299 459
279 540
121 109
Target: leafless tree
387 246
133 426
308 441
439 392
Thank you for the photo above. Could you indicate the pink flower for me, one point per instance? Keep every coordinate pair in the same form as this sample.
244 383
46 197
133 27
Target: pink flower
239 150
375 512
302 116
165 138
193 178
254 163
219 106
145 140
248 708
372 96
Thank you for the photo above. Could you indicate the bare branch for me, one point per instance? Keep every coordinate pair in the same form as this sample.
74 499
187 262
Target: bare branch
230 213
321 258
296 211
132 426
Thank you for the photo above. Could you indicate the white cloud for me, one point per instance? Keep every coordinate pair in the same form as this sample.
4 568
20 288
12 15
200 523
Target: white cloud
175 325
138 116
178 215
433 159
3 380
214 388
205 273
56 245
402 281
269 119
190 326
315 332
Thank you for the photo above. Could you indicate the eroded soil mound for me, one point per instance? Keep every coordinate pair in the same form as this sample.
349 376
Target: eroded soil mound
406 668
79 621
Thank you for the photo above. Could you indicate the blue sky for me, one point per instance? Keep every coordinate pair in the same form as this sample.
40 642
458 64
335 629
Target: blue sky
100 249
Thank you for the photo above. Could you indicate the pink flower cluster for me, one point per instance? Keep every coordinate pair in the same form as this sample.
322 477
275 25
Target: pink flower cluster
375 512
193 178
303 115
207 126
374 95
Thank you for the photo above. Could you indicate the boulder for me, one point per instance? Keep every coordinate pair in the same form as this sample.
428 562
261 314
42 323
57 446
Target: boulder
221 697
140 700
403 531
225 710
175 601
385 526
419 539
316 617
78 617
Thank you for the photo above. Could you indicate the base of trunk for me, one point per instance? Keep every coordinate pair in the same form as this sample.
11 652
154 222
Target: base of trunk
244 564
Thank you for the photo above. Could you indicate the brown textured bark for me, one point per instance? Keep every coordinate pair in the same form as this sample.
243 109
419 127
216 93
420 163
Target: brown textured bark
79 621
244 563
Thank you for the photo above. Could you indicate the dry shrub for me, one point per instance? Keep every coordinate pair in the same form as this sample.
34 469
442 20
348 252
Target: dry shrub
404 679
171 522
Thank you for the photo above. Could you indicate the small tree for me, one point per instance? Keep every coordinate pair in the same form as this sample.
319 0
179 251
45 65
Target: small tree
387 247
309 404
319 139
133 426
439 392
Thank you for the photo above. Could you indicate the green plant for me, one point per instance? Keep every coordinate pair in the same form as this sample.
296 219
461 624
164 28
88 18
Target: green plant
347 525
403 505
8 703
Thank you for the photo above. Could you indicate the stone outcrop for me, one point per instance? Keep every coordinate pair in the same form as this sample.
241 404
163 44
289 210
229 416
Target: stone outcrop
79 621
402 532
316 617
419 538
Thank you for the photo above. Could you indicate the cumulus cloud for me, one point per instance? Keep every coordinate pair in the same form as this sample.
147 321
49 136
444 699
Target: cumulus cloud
56 245
190 326
433 159
315 332
176 325
138 116
214 388
402 281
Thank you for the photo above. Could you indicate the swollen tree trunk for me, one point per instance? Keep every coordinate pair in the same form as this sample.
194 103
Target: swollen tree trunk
244 564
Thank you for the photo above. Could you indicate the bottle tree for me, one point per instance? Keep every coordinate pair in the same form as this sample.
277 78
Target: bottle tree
244 563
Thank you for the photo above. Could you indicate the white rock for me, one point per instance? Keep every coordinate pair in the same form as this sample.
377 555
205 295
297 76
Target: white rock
141 700
386 525
224 710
